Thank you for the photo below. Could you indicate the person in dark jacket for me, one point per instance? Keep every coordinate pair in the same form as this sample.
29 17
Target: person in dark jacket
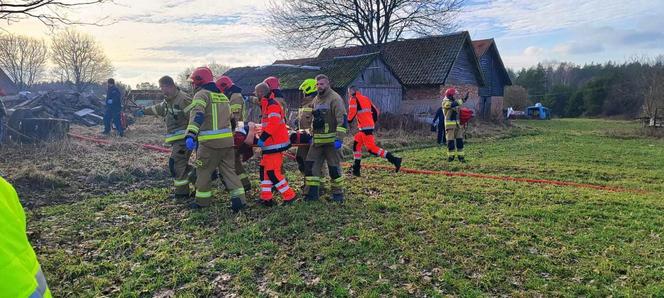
113 108
439 124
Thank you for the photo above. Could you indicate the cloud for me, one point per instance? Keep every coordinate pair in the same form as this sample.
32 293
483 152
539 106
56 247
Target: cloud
575 48
516 18
533 51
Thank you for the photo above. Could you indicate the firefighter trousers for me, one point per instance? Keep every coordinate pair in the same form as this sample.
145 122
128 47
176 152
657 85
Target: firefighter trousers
178 166
317 155
455 143
368 140
208 160
271 176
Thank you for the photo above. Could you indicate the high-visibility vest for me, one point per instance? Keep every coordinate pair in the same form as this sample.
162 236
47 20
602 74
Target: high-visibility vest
273 123
363 109
20 273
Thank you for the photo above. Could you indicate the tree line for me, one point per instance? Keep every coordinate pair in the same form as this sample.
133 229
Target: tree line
75 57
610 89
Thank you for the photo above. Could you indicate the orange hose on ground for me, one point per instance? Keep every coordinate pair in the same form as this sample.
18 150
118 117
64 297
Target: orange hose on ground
415 171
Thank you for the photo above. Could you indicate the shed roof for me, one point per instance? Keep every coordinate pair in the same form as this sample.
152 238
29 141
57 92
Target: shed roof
7 86
341 70
417 61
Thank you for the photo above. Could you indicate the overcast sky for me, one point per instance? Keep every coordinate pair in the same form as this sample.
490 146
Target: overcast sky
151 38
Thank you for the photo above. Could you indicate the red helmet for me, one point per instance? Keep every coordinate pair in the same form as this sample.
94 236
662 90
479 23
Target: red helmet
272 82
201 76
450 92
224 82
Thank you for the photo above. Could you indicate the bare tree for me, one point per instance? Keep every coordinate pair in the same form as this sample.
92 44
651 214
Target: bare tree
313 24
653 93
516 97
80 59
49 12
23 58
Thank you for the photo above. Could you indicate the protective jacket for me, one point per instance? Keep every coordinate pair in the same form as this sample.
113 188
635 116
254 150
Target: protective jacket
304 114
451 110
20 273
210 117
329 123
363 109
173 111
274 131
234 94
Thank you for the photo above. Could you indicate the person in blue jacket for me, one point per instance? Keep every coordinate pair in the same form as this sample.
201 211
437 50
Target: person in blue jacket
439 124
113 108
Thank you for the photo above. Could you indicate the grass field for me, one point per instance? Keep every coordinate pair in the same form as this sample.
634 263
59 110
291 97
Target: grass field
397 234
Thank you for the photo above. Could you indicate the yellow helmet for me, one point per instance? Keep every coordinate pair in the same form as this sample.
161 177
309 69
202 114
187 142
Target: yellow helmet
308 86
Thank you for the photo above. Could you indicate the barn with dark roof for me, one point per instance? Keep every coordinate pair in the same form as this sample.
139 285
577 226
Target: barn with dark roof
424 66
496 78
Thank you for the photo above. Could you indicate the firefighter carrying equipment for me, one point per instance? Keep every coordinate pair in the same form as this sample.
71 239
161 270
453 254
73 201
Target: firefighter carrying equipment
210 122
454 131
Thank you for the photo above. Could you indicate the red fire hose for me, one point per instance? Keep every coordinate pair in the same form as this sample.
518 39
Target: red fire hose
414 171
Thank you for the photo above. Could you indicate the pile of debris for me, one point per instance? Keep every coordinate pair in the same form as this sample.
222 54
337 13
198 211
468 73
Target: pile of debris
85 109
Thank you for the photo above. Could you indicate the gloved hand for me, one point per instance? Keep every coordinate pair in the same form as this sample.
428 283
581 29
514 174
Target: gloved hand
191 143
338 144
139 113
260 143
109 102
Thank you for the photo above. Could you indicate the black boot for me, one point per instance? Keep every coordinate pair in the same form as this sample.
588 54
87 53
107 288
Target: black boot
180 198
356 167
313 194
451 147
338 197
396 161
268 203
462 159
237 204
459 146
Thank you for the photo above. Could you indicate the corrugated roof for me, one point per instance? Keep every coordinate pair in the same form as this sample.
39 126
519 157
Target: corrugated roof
341 70
420 61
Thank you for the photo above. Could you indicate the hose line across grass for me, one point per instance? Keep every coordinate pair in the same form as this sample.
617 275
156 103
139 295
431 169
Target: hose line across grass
415 171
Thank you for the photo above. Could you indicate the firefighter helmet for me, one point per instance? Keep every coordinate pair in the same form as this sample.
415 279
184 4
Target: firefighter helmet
308 86
201 76
450 92
272 82
224 82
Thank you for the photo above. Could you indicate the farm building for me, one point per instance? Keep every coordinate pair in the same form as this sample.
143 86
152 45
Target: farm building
7 85
495 76
368 72
423 66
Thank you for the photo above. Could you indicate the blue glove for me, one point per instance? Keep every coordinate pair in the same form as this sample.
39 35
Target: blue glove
260 143
109 102
139 113
191 143
338 144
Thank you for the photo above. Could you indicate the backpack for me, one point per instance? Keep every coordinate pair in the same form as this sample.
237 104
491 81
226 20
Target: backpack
465 115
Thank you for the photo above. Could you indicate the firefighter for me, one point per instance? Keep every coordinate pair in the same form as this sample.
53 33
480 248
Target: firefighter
20 273
234 94
274 140
361 108
304 118
453 128
211 125
275 88
329 127
172 109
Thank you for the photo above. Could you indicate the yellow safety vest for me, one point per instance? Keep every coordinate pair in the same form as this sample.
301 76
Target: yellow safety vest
20 273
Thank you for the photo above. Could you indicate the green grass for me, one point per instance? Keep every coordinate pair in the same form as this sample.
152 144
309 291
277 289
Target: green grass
397 235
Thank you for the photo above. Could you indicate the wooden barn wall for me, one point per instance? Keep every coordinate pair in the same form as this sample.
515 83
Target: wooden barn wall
463 71
378 83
